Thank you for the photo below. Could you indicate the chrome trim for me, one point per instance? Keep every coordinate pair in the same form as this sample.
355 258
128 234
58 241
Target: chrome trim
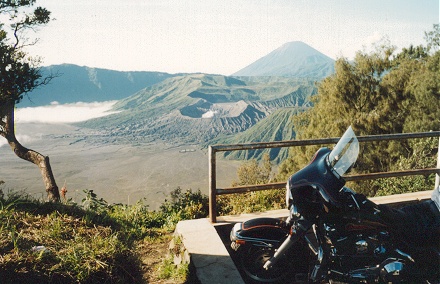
355 201
311 246
361 246
394 267
405 255
294 211
320 254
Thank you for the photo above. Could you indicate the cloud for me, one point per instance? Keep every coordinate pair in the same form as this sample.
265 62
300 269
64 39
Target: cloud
63 113
374 38
23 138
56 113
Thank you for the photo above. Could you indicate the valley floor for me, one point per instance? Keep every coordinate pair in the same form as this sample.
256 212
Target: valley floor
116 173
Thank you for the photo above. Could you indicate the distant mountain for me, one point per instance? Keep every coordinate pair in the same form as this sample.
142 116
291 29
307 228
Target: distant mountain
84 84
198 108
293 59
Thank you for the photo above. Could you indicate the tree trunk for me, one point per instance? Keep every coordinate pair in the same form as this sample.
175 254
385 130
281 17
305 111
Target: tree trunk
7 130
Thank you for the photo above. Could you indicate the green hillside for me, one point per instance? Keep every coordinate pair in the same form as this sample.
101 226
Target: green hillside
277 126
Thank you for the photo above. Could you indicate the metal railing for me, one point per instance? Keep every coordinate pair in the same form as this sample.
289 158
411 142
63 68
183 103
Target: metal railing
213 149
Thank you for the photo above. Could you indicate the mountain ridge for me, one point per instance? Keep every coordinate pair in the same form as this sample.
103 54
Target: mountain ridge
198 108
73 83
292 59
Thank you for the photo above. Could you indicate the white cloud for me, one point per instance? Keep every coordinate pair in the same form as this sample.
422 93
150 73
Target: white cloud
56 113
65 113
374 38
23 138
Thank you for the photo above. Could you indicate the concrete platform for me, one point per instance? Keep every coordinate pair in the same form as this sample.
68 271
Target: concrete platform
209 256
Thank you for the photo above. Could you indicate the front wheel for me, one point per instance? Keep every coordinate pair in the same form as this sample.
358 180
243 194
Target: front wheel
293 268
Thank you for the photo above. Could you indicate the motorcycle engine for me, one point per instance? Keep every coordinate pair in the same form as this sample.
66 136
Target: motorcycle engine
357 249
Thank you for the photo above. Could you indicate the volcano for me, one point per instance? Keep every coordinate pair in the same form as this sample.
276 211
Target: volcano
293 59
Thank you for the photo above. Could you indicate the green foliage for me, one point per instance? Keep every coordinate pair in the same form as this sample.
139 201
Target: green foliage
20 74
250 173
167 270
377 93
424 155
18 71
91 201
184 206
138 222
424 87
433 38
40 247
257 201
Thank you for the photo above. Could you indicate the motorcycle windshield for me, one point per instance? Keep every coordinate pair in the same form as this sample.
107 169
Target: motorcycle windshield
345 153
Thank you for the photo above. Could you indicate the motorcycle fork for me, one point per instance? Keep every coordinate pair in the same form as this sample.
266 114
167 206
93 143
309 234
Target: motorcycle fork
297 232
319 271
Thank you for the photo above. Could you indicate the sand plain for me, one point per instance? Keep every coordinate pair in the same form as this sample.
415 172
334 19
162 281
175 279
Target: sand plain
122 173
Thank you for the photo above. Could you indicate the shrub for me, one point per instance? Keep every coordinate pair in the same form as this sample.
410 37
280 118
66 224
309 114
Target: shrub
185 206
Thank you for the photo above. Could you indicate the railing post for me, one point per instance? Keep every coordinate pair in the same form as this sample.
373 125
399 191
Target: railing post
212 185
437 176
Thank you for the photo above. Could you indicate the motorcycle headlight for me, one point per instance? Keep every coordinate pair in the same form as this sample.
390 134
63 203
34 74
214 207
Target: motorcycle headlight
289 198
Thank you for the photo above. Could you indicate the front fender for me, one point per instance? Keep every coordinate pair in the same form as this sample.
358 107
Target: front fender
268 232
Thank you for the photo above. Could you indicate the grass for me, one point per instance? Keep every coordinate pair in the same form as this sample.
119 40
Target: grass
97 242
92 242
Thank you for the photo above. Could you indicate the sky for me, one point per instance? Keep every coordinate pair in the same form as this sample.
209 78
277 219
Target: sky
220 36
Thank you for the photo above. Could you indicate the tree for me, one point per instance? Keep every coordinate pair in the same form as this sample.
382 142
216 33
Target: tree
251 172
377 93
19 74
354 96
433 38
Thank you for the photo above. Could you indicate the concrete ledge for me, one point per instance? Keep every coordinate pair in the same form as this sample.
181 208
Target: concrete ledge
395 199
209 256
403 198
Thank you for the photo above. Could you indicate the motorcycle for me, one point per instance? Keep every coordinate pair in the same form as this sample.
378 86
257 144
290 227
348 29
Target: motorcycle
335 235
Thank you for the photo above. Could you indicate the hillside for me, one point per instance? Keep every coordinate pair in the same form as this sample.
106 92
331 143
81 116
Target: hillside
74 83
293 59
277 126
196 108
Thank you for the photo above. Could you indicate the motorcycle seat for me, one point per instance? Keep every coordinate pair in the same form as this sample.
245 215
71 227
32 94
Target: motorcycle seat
418 223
